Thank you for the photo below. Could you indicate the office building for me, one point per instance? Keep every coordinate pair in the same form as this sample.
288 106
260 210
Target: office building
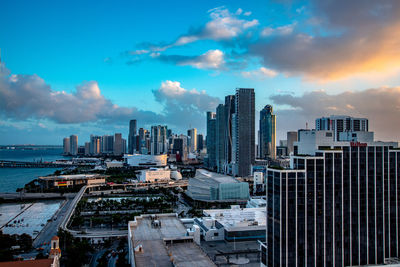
159 144
229 111
119 144
211 140
200 142
339 124
95 145
73 142
179 147
131 136
107 144
192 136
267 135
220 138
291 138
243 132
66 146
335 206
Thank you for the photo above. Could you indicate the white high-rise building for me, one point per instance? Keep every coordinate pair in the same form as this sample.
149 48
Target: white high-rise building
73 142
192 134
66 146
339 124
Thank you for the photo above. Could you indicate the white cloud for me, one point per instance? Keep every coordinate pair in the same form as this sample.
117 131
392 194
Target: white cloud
212 59
260 73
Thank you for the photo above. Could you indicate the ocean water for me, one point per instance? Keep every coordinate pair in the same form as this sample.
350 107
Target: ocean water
13 178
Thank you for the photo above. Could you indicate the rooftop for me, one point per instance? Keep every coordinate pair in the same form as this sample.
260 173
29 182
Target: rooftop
217 177
72 177
165 244
237 217
28 263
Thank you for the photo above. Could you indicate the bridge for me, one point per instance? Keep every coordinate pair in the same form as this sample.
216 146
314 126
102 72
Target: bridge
27 164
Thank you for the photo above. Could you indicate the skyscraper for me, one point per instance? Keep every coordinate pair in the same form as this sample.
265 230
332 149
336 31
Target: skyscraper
336 207
200 142
107 144
95 144
73 142
229 111
66 146
192 134
131 136
267 135
220 137
291 138
244 136
159 144
119 144
210 140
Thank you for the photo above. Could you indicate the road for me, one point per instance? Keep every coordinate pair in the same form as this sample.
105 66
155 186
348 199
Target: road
51 228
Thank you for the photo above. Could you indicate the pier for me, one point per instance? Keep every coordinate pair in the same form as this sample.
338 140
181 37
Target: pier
26 164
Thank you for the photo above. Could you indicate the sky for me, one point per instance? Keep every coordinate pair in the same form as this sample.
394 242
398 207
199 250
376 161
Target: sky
88 67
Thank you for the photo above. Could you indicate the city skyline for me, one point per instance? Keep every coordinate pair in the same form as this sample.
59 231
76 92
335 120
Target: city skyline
307 59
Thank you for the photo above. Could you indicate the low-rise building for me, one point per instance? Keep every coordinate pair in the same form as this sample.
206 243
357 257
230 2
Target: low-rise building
57 181
154 175
234 224
163 240
140 160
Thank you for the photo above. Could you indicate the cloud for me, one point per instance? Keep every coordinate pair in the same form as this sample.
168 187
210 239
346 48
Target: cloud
345 38
28 97
260 73
380 105
183 105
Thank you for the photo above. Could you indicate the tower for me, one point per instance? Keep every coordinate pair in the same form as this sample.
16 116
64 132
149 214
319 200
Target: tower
55 250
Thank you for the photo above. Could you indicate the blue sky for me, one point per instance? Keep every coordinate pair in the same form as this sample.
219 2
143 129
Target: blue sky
170 61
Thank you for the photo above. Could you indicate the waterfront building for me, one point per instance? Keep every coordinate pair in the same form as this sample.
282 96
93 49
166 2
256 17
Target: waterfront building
66 146
142 160
267 134
73 142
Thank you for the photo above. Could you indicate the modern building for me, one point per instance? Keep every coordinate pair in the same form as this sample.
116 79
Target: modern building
200 142
213 187
159 144
163 240
67 181
220 138
66 146
107 144
337 205
73 142
243 151
144 142
154 175
119 145
192 135
229 111
291 138
132 136
95 145
87 148
142 160
179 147
233 225
339 124
267 136
211 140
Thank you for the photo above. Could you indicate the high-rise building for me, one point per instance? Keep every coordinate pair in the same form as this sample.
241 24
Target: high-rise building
291 138
87 148
119 144
66 146
211 140
200 142
229 111
73 142
220 137
336 206
267 134
180 147
244 136
107 144
131 136
95 144
159 144
192 135
339 124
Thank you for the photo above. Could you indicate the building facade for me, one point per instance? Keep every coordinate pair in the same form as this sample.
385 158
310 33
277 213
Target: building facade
267 141
66 146
73 142
291 138
132 136
159 144
211 140
339 124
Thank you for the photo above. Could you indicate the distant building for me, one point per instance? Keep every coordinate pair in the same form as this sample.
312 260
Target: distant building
291 138
243 132
200 142
87 148
213 187
267 141
73 141
67 181
220 138
95 145
154 175
66 146
107 144
192 134
211 140
131 136
140 160
119 144
339 124
159 144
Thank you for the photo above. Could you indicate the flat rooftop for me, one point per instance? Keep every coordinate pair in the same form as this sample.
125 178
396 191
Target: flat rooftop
217 177
156 248
239 218
72 177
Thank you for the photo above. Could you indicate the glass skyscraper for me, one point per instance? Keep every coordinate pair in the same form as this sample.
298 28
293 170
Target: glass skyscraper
267 137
